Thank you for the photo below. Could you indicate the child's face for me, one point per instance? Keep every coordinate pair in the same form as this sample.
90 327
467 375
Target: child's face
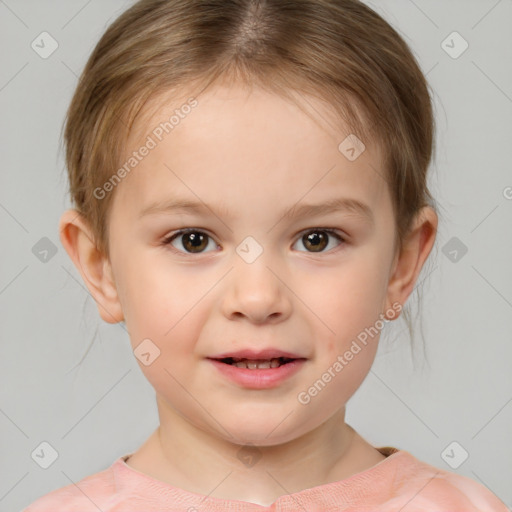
246 160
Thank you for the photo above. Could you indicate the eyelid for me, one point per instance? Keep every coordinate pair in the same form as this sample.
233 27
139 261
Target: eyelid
331 231
171 236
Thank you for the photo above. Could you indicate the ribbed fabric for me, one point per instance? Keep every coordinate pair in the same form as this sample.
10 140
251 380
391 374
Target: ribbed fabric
398 483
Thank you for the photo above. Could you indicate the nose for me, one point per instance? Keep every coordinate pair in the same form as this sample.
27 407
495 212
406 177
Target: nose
256 293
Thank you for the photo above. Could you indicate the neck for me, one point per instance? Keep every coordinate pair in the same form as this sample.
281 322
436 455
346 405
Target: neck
179 453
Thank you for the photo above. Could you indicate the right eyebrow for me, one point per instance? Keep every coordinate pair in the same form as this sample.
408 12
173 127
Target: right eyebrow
177 204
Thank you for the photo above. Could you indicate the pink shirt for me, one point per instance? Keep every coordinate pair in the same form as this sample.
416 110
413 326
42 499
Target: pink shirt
398 483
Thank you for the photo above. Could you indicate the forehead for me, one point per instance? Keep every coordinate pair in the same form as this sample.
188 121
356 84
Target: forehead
249 139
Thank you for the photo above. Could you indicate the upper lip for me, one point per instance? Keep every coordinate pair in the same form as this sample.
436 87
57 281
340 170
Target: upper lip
266 354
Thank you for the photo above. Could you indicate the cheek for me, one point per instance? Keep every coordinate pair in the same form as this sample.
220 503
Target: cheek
169 310
346 300
162 305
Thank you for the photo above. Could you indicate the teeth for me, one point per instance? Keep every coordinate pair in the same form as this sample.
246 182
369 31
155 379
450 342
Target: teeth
252 365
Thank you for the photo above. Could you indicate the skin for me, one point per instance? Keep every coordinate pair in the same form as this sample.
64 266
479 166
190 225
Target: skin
257 155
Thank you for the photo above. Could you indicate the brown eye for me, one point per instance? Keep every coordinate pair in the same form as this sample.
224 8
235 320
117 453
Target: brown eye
317 240
191 241
194 241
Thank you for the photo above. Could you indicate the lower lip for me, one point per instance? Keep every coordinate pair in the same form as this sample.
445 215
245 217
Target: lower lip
259 378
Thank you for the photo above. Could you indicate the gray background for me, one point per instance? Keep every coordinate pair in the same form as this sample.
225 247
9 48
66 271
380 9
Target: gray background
96 411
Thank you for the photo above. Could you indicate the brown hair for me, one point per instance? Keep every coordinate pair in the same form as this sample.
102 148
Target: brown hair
340 51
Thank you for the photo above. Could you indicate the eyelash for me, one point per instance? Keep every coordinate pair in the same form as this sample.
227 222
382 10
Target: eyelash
331 232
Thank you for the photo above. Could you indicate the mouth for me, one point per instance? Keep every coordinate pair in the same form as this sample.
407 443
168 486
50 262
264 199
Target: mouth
256 364
258 373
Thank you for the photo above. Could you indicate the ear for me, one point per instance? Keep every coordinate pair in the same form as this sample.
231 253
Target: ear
408 263
96 271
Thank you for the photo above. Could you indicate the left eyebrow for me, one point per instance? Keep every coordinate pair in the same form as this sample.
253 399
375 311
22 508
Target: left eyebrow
351 206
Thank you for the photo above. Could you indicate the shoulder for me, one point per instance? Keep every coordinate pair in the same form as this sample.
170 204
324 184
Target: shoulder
429 488
92 493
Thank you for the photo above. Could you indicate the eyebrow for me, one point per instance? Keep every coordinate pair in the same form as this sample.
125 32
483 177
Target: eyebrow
350 206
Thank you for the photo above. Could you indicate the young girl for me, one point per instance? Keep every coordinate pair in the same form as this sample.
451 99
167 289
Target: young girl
249 180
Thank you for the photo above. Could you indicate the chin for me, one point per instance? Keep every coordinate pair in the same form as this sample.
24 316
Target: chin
270 431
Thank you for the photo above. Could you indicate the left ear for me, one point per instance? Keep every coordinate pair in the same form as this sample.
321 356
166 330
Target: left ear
408 264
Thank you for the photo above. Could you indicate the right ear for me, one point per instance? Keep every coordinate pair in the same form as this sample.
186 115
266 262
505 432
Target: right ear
94 267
